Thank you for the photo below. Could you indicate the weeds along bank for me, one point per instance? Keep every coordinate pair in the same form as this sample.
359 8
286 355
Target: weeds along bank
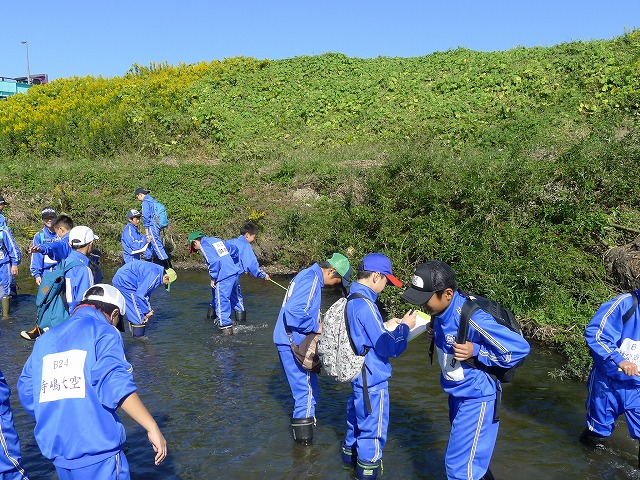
510 166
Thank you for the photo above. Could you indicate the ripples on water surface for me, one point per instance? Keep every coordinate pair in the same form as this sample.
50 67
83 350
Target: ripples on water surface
224 405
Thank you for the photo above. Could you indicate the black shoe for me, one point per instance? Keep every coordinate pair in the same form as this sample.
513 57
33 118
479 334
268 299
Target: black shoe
31 334
226 330
592 439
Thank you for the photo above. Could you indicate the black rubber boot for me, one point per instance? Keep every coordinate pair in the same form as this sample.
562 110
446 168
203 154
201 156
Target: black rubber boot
241 316
592 439
302 429
228 330
211 313
349 455
368 471
488 475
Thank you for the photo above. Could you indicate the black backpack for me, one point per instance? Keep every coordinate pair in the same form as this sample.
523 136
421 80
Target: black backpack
634 307
503 316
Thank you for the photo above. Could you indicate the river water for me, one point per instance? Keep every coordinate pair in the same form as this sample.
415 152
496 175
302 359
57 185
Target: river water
223 403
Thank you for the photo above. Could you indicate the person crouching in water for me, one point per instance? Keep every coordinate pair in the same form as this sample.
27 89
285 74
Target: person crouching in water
136 281
222 262
75 379
473 393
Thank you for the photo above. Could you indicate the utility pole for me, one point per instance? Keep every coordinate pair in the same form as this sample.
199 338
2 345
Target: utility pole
25 42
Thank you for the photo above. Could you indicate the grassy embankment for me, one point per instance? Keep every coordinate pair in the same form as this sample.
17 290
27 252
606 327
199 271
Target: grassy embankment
511 166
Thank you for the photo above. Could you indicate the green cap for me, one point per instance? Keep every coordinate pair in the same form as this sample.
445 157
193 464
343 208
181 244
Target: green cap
195 236
173 276
340 263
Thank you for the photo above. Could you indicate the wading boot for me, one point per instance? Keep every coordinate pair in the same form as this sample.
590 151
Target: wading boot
349 455
592 439
241 316
368 471
211 313
228 330
302 429
488 475
6 306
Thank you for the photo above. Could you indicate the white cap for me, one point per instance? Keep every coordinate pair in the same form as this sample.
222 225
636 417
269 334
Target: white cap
81 236
110 295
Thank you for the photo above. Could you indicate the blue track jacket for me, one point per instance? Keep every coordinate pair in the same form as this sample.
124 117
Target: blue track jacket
494 344
248 260
136 281
221 258
39 261
58 250
610 341
72 384
9 251
78 279
300 307
133 242
367 330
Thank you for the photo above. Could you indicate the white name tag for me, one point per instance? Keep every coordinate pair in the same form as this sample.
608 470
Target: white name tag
455 373
630 349
63 376
221 249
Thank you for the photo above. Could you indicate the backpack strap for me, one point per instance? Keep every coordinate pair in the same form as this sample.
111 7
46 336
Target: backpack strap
468 308
365 388
634 307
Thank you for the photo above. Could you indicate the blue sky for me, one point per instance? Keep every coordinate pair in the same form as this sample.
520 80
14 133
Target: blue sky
88 37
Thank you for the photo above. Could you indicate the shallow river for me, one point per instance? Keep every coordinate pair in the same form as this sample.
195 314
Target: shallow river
224 405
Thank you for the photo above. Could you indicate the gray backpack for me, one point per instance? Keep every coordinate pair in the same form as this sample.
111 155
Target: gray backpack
337 352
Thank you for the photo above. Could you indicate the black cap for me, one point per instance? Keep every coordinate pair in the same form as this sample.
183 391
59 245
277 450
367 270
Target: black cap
2 201
429 278
140 190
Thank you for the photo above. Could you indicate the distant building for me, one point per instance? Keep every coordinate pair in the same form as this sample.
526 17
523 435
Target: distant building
11 86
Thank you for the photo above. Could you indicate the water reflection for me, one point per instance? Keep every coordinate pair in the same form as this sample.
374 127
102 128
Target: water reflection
223 403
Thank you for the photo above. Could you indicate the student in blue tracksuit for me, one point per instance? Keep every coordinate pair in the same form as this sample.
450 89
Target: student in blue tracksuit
473 393
613 386
248 263
222 261
73 383
10 258
41 263
3 203
368 405
151 228
57 251
10 460
298 317
134 243
136 281
79 278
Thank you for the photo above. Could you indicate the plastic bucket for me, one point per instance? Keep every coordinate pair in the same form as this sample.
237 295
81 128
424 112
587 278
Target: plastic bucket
137 330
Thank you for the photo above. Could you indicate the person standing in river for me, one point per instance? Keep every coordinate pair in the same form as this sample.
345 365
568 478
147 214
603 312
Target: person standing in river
299 317
474 395
369 403
613 386
11 467
151 227
248 264
72 384
222 262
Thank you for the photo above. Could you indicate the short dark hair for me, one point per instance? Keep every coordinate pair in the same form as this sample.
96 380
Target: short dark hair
63 221
362 274
250 228
326 265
